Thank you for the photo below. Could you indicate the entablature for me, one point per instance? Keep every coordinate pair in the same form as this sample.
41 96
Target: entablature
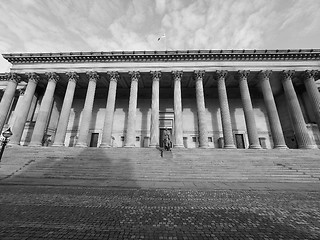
167 56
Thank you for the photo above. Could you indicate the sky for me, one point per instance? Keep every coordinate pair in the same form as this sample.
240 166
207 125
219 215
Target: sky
109 25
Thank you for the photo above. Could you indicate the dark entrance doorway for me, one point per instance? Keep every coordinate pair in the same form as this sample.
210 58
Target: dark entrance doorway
161 136
239 141
94 139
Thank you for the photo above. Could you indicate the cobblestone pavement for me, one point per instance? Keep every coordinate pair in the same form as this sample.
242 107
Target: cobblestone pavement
34 212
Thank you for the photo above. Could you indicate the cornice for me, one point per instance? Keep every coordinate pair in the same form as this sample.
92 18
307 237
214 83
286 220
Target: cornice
165 56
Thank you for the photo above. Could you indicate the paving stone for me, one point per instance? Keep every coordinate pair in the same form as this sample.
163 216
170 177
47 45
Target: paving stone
54 212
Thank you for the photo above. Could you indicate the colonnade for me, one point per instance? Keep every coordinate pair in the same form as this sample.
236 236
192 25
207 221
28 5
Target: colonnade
299 126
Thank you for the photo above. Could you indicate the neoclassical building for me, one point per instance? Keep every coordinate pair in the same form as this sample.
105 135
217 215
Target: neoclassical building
207 98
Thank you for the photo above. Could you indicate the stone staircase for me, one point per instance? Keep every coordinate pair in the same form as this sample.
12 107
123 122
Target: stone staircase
94 166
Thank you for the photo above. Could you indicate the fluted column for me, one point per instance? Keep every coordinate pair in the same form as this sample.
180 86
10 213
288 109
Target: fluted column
22 114
132 111
108 119
225 112
299 125
178 125
7 97
274 121
203 133
87 110
65 111
44 111
313 93
154 131
248 110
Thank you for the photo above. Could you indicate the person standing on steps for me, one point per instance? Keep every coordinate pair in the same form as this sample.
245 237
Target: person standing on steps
167 140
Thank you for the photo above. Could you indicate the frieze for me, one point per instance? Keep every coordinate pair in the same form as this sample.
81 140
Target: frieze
165 56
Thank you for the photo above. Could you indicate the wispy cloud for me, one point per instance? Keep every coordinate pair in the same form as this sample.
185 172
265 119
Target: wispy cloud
98 25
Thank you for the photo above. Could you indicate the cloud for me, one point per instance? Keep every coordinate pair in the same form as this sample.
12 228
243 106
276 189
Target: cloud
99 25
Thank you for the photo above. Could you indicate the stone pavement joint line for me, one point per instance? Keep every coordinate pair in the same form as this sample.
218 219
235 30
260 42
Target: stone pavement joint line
43 212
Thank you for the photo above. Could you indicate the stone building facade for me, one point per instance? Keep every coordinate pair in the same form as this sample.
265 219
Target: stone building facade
208 99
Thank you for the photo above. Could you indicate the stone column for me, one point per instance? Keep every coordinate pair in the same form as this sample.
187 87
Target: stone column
313 93
108 119
225 112
44 111
13 80
65 111
18 107
154 131
274 121
87 110
248 110
22 114
178 125
132 111
203 132
299 125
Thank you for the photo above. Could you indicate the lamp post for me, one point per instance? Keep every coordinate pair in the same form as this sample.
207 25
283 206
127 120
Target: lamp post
6 134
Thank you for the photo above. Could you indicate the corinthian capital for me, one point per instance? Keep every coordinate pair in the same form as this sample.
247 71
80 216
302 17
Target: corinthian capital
33 77
113 76
93 76
13 77
73 76
265 74
21 91
310 74
135 75
156 75
199 74
221 73
177 75
243 74
52 76
288 73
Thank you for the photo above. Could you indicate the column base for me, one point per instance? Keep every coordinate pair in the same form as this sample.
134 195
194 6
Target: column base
153 146
281 147
229 147
204 147
104 145
35 145
57 145
309 147
253 146
178 146
129 146
81 145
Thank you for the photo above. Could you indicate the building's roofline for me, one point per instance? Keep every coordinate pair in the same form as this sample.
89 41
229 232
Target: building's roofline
179 55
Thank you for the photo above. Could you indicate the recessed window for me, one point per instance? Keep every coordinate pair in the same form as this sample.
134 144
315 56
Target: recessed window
194 139
122 138
137 139
209 139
